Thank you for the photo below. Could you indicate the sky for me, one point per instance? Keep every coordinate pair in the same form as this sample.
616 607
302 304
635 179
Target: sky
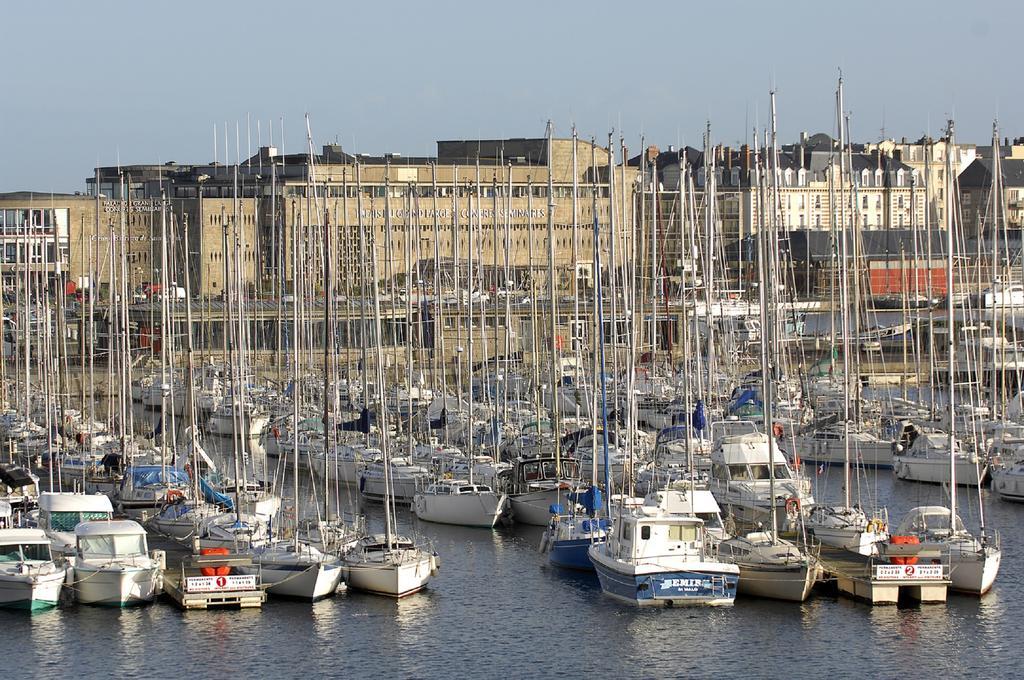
97 83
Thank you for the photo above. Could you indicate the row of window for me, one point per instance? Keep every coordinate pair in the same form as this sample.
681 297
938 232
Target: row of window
37 219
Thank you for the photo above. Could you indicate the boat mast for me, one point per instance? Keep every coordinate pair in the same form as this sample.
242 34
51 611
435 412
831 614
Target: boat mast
553 308
950 325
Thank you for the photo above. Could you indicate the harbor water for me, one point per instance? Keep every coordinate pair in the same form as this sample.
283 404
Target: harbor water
497 609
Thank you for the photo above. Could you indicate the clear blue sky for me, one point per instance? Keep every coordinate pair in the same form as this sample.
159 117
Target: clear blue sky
86 83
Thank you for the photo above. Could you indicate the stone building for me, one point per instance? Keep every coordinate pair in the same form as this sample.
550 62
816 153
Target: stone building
488 194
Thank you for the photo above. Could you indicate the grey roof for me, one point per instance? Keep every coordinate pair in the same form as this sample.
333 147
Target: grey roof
978 175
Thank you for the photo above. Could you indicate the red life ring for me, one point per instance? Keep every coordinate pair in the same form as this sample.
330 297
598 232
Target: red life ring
777 430
174 495
792 505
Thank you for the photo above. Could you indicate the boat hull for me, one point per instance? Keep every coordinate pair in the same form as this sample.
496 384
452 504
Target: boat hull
707 585
533 508
974 572
302 581
390 580
29 592
936 471
778 583
480 510
572 553
117 586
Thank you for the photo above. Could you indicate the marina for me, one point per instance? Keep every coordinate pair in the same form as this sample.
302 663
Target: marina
581 402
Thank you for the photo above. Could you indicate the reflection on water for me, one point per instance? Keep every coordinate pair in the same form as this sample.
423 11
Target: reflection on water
497 609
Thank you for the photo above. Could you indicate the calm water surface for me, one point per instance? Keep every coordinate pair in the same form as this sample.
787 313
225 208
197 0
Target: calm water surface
498 610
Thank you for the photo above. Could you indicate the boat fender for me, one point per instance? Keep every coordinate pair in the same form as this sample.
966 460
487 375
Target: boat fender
876 526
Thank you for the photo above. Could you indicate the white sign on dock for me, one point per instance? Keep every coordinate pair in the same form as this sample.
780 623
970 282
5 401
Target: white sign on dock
908 572
212 584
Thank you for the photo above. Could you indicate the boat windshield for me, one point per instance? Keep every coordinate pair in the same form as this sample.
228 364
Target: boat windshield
739 472
25 551
67 521
99 547
781 472
712 520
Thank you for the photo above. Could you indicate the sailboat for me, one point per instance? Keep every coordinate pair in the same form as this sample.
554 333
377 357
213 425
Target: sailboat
974 560
769 566
457 501
385 564
846 526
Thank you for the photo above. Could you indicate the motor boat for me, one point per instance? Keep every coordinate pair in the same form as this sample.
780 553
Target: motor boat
112 565
60 513
29 577
658 558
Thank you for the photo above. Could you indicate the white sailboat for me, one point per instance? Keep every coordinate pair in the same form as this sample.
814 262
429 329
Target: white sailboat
974 561
385 564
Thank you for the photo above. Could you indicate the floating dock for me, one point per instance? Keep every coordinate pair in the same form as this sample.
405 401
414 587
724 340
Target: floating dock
191 588
880 580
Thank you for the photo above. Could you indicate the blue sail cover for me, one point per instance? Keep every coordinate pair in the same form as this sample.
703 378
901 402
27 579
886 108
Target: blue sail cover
700 418
213 496
748 396
589 499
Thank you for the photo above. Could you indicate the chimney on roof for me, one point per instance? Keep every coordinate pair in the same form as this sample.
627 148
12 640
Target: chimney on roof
671 148
652 154
803 144
728 158
745 150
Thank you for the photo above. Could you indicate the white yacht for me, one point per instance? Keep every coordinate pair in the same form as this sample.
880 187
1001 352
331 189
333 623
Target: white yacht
29 578
60 513
535 484
253 419
828 446
405 478
974 564
459 502
1008 480
296 569
927 460
112 565
741 481
393 566
657 558
847 527
771 567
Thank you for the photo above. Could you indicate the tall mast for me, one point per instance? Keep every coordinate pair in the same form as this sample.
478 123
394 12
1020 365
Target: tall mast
553 307
951 335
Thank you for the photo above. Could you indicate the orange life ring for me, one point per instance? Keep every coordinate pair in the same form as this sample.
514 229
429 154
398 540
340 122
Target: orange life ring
792 505
174 495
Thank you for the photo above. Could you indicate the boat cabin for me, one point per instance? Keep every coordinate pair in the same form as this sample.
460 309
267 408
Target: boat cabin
24 545
451 487
111 540
649 533
65 511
